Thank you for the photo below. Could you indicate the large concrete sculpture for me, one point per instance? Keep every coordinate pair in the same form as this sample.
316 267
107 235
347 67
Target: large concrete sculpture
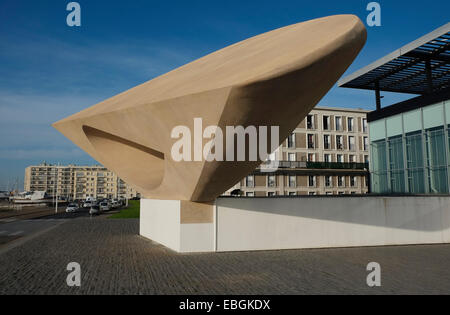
274 78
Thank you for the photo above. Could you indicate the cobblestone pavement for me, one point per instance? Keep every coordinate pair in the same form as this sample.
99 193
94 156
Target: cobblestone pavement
115 260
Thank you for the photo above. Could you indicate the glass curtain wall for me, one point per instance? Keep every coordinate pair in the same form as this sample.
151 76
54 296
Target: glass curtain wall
411 151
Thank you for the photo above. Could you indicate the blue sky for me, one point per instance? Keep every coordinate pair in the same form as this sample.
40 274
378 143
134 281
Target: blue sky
49 70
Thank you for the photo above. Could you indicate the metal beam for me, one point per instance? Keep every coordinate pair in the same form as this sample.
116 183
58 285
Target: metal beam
422 55
377 95
429 72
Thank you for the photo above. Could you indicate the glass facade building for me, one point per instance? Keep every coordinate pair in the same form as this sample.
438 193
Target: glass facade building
410 151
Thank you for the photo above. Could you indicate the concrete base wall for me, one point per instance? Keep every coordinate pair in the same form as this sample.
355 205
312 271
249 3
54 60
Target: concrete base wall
245 224
288 223
161 222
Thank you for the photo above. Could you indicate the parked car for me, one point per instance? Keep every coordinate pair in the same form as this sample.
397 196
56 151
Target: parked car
104 206
72 207
115 204
95 209
87 204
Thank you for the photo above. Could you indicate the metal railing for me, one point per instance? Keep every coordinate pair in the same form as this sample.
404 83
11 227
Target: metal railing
323 165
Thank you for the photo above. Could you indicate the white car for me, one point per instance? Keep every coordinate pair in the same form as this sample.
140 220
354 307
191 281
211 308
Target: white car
72 207
87 204
94 210
115 204
104 206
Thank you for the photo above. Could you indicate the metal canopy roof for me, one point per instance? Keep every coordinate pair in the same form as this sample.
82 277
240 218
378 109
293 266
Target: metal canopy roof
421 67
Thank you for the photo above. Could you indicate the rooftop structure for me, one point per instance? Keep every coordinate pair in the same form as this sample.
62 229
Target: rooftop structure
421 67
410 140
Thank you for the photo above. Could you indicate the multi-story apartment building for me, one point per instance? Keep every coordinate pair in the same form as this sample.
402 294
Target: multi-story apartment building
328 154
76 182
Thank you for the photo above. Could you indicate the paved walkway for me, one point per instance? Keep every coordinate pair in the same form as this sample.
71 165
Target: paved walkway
115 260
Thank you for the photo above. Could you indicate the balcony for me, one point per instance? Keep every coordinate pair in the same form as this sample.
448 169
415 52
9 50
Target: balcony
335 165
322 165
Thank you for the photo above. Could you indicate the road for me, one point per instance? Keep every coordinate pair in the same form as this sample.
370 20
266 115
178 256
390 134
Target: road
14 230
23 226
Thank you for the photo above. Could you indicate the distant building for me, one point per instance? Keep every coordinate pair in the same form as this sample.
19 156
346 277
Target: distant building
328 154
410 140
77 182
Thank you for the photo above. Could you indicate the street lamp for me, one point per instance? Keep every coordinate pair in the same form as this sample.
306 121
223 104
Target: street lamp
55 189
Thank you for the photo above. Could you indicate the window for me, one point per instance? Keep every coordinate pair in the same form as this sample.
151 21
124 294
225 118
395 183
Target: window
312 193
271 194
292 181
366 159
326 122
415 163
380 167
350 121
327 158
311 157
250 181
250 194
351 158
339 142
292 157
292 193
327 181
328 193
291 141
340 158
351 143
352 181
311 141
341 181
396 165
436 160
310 122
366 144
326 142
271 181
312 181
364 125
338 123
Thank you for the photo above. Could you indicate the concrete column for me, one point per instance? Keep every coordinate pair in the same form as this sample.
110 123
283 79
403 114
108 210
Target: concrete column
183 226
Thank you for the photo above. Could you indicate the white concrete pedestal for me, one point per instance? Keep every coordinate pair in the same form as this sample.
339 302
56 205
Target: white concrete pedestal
179 225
